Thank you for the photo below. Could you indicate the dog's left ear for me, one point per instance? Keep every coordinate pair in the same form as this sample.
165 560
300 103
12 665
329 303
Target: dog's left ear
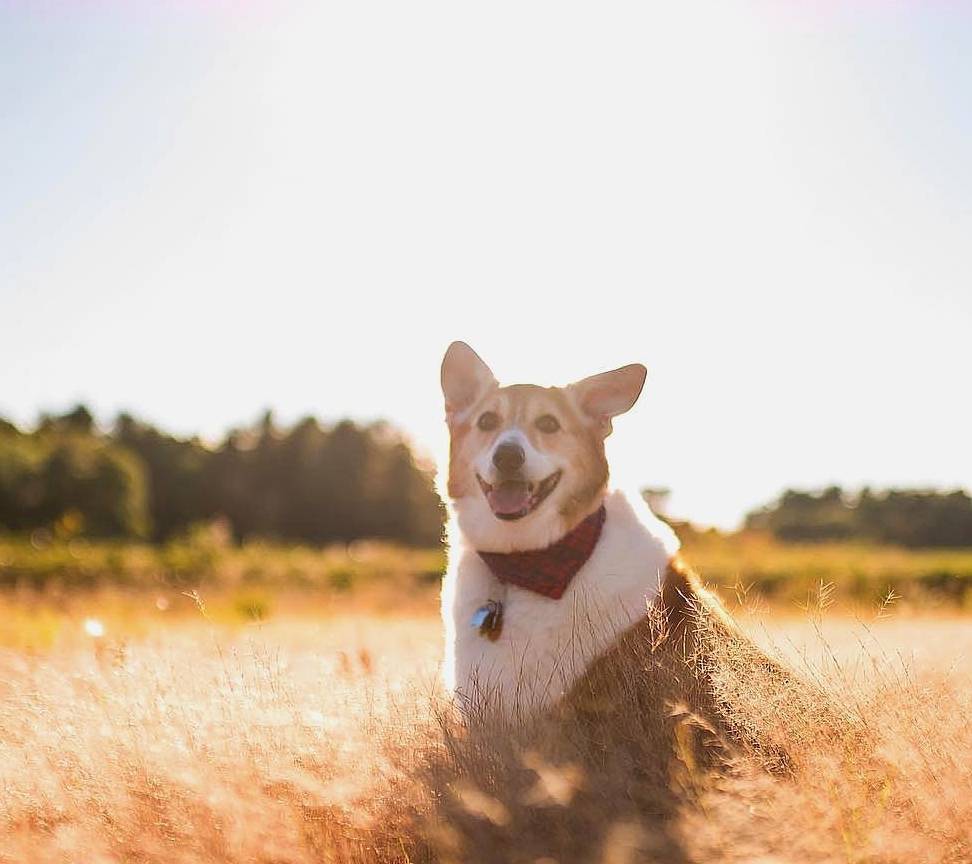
465 378
604 396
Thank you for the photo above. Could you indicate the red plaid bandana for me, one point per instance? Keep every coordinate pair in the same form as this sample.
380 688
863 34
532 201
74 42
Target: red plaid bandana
549 571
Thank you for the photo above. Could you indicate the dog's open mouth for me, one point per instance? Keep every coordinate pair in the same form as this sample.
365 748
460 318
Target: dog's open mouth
514 499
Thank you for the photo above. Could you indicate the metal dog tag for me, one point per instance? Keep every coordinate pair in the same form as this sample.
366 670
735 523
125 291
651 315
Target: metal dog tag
488 620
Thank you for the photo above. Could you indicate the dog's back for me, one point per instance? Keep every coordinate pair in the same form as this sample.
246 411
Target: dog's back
694 674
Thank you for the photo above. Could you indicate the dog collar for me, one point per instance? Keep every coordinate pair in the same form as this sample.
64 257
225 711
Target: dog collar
549 571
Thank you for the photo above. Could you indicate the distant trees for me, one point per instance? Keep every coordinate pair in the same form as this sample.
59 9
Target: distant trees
64 477
320 484
905 517
307 483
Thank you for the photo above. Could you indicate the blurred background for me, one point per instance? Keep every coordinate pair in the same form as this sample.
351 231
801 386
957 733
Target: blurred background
236 238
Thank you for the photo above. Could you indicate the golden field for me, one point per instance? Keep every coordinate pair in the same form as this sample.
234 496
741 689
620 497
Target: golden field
249 721
747 566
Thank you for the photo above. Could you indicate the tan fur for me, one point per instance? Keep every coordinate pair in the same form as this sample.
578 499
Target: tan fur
580 442
689 655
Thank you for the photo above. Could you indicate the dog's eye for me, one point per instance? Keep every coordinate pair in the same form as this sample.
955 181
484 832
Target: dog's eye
548 424
488 421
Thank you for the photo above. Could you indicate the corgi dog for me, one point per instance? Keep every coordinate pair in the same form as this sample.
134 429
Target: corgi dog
549 566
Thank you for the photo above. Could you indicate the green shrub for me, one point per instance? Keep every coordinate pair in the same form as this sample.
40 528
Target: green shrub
253 606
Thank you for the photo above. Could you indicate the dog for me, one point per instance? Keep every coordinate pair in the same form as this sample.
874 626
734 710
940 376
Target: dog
553 575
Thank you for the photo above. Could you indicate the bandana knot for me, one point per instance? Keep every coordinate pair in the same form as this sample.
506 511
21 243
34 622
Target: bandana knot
549 571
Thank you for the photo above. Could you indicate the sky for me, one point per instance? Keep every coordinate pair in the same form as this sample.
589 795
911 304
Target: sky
211 208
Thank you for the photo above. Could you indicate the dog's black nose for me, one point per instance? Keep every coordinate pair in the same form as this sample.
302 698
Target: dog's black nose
508 457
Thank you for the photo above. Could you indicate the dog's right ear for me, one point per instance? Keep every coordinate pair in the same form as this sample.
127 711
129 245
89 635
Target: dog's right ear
465 378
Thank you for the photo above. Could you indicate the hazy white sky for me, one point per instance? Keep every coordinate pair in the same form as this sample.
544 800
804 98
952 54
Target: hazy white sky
209 208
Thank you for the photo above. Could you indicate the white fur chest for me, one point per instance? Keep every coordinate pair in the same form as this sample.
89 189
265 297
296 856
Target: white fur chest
545 644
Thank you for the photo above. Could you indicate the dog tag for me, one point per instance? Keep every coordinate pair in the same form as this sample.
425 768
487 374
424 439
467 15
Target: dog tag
488 620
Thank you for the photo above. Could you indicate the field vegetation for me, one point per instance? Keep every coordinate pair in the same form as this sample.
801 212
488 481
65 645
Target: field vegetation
195 734
753 567
750 567
203 701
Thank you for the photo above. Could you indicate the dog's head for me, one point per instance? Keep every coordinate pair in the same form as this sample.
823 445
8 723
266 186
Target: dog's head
527 463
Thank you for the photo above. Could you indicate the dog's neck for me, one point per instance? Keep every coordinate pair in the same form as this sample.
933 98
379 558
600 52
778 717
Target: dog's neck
548 571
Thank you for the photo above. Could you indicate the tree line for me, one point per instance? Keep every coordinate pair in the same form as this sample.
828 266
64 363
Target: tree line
320 484
309 482
903 517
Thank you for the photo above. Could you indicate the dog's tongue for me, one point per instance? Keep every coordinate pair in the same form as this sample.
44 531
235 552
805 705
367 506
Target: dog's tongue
507 498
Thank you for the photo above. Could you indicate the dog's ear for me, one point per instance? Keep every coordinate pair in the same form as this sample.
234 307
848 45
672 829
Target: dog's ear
465 378
604 396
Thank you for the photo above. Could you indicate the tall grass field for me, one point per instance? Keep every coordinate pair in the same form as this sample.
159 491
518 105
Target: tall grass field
205 703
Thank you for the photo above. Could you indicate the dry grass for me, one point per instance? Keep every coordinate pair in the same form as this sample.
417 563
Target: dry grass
787 572
310 738
378 573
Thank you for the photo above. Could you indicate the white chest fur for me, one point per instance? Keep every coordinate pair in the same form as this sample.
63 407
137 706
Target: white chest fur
546 645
